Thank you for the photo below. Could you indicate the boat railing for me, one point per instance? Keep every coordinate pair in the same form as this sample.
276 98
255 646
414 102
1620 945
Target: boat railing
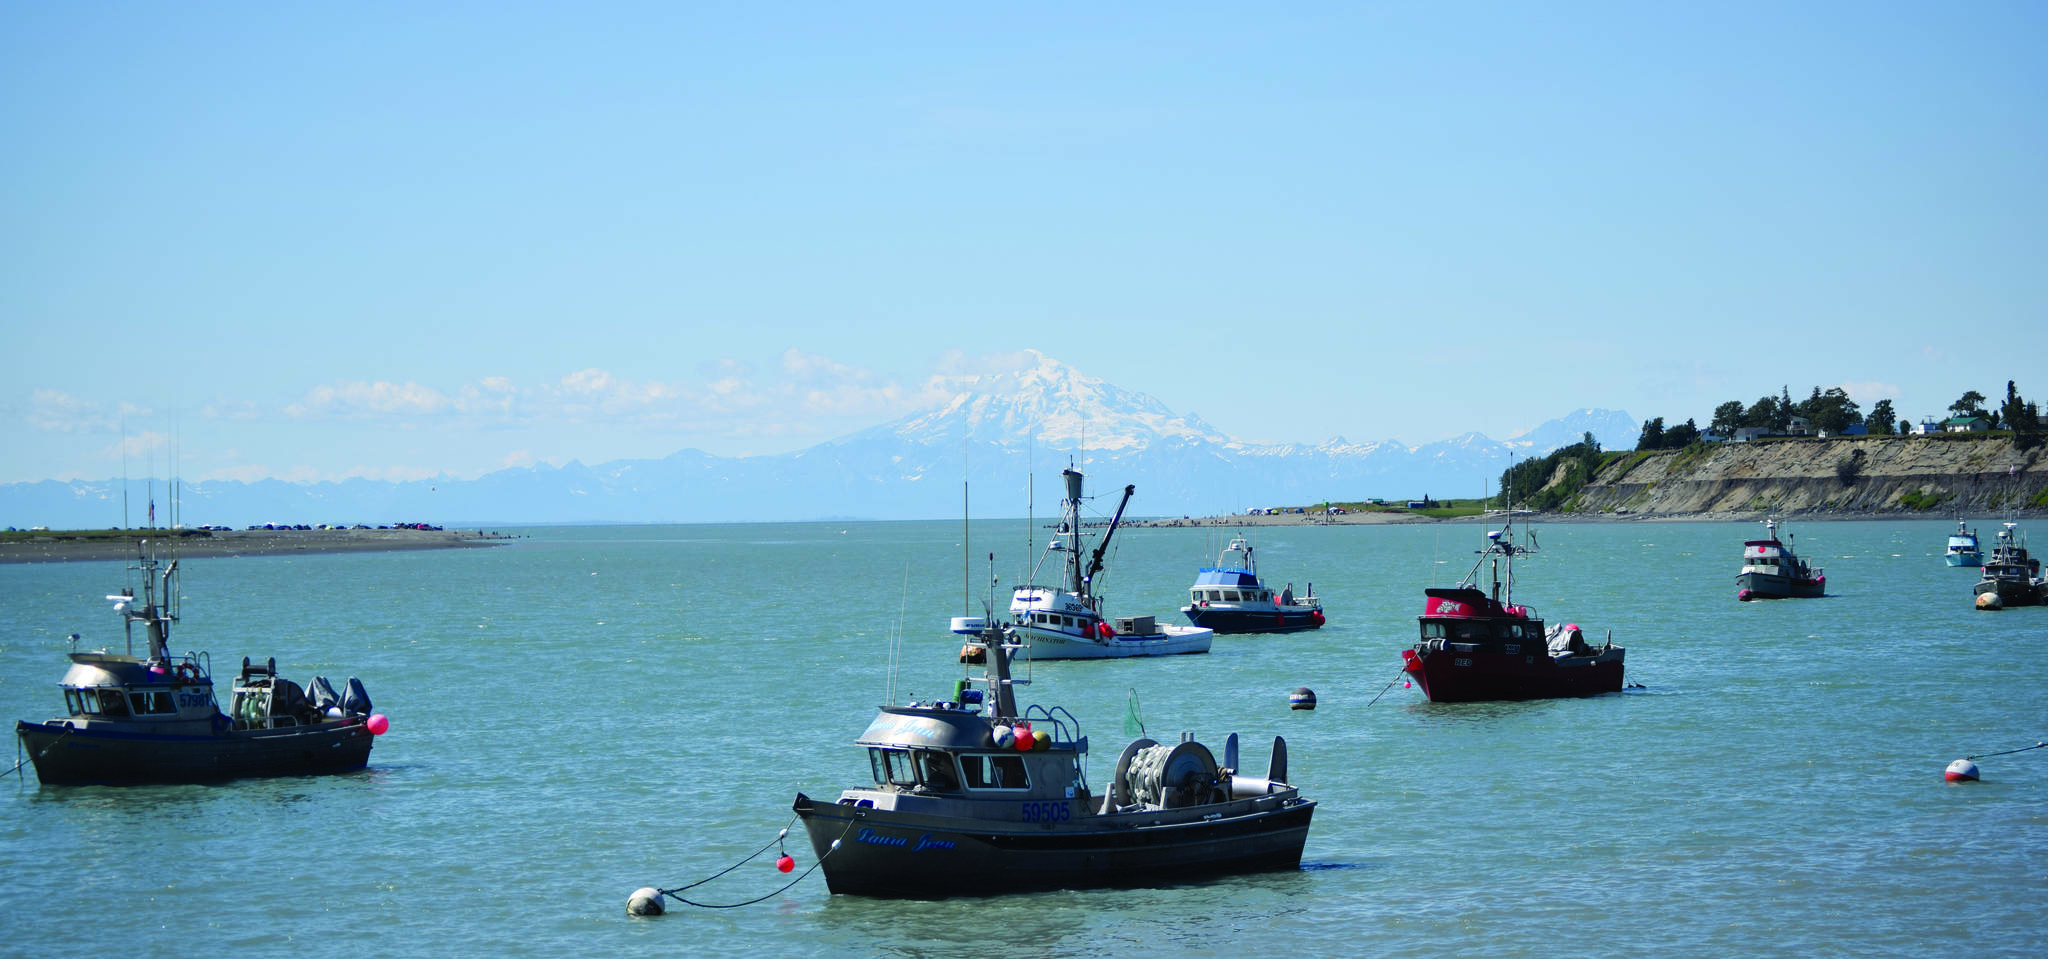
1065 728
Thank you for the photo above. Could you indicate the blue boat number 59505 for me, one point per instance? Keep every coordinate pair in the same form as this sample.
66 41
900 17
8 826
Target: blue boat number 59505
1047 812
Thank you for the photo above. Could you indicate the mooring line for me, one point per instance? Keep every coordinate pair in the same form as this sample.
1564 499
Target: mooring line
1390 685
46 751
675 893
2007 752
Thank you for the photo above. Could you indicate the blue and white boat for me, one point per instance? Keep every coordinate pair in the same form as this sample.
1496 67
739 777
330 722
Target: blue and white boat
1229 598
1962 547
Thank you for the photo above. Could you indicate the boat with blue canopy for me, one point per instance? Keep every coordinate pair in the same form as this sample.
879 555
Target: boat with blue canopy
1229 598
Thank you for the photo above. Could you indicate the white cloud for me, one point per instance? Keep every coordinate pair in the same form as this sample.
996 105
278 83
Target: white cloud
359 399
59 412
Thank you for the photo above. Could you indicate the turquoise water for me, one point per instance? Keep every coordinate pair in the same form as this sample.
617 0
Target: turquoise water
586 711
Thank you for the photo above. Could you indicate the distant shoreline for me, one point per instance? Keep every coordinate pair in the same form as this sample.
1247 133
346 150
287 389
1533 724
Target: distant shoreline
60 548
1387 519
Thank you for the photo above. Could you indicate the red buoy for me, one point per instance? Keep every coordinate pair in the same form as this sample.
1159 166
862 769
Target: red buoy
1961 771
785 863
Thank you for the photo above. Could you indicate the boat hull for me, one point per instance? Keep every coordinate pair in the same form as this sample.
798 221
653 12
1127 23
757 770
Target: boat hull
2013 592
1452 675
1170 641
68 756
900 855
1966 559
1228 620
1771 586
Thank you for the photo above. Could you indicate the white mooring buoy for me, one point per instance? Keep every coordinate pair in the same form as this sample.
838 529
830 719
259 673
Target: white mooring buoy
1961 771
645 901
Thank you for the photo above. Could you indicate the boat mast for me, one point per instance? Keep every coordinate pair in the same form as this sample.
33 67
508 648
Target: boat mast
1070 514
995 673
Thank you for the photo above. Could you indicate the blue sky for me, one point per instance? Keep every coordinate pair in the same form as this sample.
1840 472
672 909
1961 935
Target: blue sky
403 240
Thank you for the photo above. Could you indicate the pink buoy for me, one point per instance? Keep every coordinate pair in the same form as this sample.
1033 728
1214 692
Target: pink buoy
1743 595
785 863
377 724
1961 771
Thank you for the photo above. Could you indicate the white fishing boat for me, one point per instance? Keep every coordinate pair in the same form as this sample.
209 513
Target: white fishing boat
1066 621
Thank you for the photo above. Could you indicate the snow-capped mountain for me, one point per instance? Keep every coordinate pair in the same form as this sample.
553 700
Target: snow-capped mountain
1614 429
1051 404
992 431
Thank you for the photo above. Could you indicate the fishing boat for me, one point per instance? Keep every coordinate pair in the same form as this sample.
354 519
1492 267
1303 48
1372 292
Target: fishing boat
1962 547
973 796
153 718
1229 598
2011 576
1479 645
1066 621
1771 570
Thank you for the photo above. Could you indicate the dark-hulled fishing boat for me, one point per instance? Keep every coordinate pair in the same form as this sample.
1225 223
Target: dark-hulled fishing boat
154 719
975 797
1479 647
1229 598
2011 576
1770 570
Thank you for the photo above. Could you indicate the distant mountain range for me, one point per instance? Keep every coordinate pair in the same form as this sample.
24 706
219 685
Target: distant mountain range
994 434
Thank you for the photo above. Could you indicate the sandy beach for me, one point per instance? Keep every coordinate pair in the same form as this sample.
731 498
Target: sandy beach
61 547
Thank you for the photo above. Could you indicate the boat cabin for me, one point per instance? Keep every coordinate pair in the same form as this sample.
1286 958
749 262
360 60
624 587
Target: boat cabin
1467 620
947 751
1228 585
109 687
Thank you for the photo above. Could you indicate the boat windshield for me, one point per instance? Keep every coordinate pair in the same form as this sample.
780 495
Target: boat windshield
908 768
893 767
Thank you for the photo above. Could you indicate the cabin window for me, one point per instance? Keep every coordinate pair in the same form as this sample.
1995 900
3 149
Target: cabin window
1231 595
893 767
1432 630
939 771
1001 771
112 703
78 704
149 703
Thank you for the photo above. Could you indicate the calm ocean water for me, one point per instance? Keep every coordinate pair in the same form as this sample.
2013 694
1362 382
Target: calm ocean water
591 710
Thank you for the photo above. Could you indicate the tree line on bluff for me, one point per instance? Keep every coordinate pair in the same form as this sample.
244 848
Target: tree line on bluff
1548 482
1832 412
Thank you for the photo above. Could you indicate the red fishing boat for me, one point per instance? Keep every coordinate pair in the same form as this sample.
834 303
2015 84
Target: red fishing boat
1478 646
